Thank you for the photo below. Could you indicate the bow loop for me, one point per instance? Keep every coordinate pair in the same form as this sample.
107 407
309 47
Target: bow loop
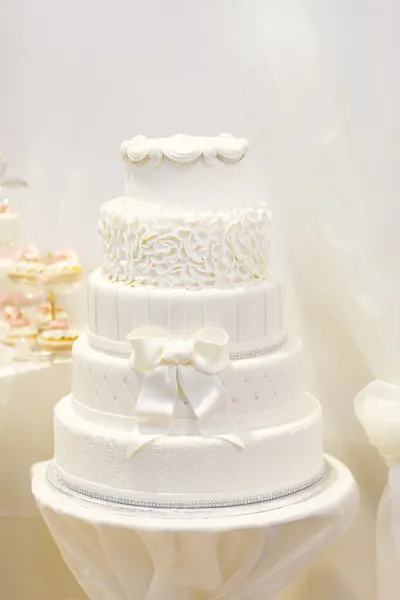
211 350
172 367
147 348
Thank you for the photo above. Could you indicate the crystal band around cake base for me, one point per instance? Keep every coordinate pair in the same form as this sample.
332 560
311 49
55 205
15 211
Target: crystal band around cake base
257 498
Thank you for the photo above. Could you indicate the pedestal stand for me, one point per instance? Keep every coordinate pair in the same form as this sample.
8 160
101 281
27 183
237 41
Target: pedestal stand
246 553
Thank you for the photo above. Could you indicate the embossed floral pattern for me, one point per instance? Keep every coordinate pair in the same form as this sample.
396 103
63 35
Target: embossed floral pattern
153 244
98 455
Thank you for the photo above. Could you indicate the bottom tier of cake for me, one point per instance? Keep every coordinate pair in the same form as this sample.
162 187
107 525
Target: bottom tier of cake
186 470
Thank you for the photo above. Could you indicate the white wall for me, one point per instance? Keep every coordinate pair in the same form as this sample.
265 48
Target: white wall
79 77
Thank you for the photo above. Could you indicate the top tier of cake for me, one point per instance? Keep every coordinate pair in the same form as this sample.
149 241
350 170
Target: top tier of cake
193 172
191 217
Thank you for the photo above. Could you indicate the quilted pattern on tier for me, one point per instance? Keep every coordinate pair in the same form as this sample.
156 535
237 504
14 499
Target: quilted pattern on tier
112 388
109 384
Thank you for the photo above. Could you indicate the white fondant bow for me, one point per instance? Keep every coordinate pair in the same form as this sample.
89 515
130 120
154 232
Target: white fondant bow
181 369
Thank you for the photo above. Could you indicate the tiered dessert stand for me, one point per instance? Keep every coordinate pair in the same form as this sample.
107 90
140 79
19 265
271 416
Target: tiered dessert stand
50 290
250 552
30 385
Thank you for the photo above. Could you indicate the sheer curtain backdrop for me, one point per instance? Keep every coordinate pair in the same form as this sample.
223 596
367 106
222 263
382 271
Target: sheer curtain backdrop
322 83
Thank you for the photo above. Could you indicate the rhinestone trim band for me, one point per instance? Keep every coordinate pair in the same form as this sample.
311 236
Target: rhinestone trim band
184 505
258 351
246 354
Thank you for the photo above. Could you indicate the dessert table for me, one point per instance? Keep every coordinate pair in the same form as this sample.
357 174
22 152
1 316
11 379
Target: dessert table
239 553
30 565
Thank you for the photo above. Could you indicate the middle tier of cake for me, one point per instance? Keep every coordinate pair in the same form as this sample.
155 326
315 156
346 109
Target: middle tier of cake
258 387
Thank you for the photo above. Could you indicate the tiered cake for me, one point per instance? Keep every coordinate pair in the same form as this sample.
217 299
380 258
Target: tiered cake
186 388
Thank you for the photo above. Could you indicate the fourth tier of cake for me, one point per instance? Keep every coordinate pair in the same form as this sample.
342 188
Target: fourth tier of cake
187 388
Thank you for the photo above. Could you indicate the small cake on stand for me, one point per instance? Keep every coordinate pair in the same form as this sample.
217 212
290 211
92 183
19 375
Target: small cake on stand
19 329
62 275
48 312
28 268
59 336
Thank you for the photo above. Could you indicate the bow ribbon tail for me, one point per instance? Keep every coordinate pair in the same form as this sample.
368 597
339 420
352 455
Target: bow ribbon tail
154 406
210 403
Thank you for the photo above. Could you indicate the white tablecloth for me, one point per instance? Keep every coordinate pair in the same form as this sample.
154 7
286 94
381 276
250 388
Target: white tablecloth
31 567
28 393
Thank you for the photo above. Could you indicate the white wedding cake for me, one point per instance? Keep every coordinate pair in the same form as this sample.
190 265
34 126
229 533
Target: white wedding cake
186 388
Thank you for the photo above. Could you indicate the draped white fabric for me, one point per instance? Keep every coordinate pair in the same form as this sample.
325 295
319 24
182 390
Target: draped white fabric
331 137
230 555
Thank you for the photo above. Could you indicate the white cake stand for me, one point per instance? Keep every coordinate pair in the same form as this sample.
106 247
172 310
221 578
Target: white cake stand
248 553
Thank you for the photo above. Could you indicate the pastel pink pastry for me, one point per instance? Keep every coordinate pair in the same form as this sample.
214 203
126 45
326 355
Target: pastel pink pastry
63 268
56 325
22 300
12 312
20 329
19 322
31 254
29 266
63 255
58 336
45 315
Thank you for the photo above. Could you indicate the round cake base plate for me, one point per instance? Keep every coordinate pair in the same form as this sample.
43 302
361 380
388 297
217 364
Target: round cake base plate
336 487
